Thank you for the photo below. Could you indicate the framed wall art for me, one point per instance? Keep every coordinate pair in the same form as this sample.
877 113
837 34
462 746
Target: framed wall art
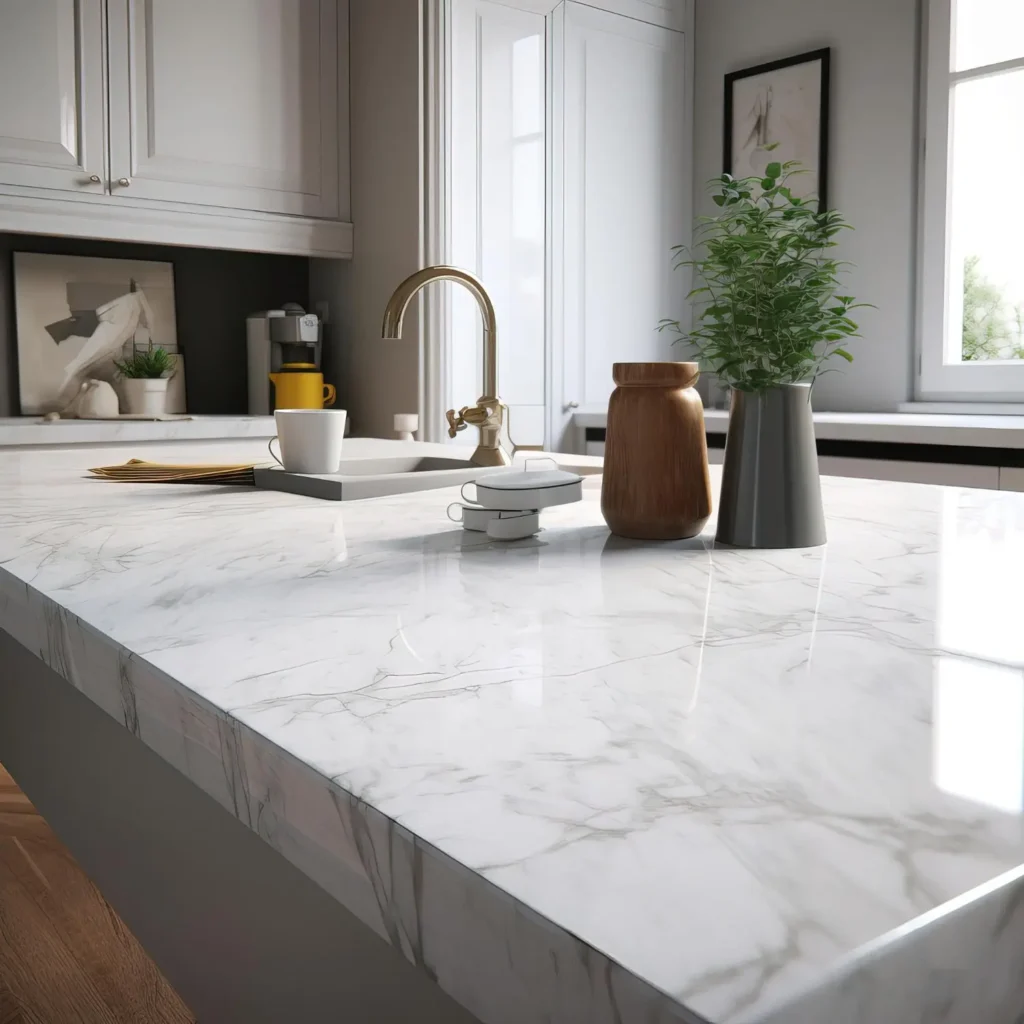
76 314
784 102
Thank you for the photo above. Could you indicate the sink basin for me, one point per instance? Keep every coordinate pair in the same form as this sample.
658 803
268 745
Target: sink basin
375 478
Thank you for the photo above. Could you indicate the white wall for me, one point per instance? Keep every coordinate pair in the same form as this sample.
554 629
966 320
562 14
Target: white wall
378 378
872 175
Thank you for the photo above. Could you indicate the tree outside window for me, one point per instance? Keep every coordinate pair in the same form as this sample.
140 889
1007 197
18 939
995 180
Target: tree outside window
993 327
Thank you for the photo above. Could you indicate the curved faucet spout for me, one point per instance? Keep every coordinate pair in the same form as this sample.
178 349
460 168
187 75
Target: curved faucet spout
395 311
489 412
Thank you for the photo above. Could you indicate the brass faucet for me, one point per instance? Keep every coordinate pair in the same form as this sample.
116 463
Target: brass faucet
488 413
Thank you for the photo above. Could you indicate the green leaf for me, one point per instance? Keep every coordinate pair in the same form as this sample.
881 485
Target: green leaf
149 363
844 354
766 310
773 170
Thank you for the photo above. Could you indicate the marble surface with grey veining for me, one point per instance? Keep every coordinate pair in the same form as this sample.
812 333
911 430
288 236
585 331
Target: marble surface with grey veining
578 779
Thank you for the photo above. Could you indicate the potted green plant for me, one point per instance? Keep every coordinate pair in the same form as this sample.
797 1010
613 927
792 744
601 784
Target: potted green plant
767 317
144 378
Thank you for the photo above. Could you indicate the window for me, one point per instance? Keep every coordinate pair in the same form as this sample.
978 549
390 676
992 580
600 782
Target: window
972 296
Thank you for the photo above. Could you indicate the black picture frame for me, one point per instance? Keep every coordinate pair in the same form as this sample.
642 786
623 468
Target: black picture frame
824 55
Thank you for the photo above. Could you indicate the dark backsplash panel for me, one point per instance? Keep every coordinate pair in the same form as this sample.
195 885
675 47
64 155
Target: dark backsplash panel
214 290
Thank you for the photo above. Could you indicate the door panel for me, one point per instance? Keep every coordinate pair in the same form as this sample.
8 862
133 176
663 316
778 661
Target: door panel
229 103
498 205
51 78
625 196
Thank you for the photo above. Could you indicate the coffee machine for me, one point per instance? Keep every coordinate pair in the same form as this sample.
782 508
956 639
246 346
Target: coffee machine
275 337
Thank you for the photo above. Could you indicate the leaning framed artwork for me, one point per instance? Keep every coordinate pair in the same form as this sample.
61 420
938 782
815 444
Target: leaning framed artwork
782 105
76 315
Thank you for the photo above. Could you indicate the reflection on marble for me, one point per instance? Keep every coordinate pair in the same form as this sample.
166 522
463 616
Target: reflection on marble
978 732
574 779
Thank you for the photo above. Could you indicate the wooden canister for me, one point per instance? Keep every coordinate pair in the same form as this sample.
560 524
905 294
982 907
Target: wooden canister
656 484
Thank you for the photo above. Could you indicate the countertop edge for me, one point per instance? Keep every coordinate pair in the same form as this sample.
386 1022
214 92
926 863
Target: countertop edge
31 431
974 939
400 886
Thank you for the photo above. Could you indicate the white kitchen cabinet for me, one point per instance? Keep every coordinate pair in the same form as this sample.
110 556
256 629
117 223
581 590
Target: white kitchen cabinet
626 197
569 171
51 95
230 103
666 13
677 14
218 123
498 218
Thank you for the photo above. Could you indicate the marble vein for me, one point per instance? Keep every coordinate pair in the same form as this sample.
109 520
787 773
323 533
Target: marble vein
577 779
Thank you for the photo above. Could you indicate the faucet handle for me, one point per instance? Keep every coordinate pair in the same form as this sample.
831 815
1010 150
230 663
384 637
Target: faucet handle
455 422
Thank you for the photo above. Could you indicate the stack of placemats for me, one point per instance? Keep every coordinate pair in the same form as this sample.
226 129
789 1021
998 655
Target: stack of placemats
138 471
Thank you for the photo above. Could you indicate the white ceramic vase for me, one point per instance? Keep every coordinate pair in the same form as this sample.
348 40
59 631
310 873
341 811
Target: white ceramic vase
96 400
145 396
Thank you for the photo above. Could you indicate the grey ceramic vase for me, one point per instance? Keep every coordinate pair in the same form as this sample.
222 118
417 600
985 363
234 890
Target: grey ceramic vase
771 492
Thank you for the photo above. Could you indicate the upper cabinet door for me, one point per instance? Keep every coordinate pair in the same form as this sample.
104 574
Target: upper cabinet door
626 196
232 103
51 81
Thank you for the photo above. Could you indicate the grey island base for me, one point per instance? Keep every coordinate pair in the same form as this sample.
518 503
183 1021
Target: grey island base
346 750
245 937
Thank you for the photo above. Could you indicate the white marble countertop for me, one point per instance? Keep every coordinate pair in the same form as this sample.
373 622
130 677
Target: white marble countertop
960 429
33 431
579 779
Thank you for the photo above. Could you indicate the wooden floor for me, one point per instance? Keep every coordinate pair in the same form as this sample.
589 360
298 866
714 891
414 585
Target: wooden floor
65 956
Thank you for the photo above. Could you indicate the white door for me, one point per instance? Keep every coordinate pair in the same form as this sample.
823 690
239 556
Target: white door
231 103
497 205
625 200
51 94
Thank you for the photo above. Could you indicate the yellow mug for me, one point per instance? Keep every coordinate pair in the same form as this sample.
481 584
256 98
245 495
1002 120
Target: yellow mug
301 386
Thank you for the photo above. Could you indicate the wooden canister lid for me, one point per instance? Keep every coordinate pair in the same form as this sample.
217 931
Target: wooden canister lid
658 375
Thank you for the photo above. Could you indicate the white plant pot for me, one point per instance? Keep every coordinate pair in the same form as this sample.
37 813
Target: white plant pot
145 396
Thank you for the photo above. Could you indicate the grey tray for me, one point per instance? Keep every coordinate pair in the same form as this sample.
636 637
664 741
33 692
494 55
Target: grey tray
374 478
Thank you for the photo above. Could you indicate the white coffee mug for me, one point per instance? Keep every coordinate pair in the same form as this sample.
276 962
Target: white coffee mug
310 439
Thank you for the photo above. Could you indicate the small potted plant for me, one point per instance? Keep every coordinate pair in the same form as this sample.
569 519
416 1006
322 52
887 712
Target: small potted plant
767 317
144 378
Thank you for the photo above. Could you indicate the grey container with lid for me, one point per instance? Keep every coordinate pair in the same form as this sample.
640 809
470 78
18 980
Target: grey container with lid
514 490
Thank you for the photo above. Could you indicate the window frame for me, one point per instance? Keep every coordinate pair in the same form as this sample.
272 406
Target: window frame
989 380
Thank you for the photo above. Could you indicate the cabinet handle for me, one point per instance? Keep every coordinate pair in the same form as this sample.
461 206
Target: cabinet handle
572 405
124 182
94 178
